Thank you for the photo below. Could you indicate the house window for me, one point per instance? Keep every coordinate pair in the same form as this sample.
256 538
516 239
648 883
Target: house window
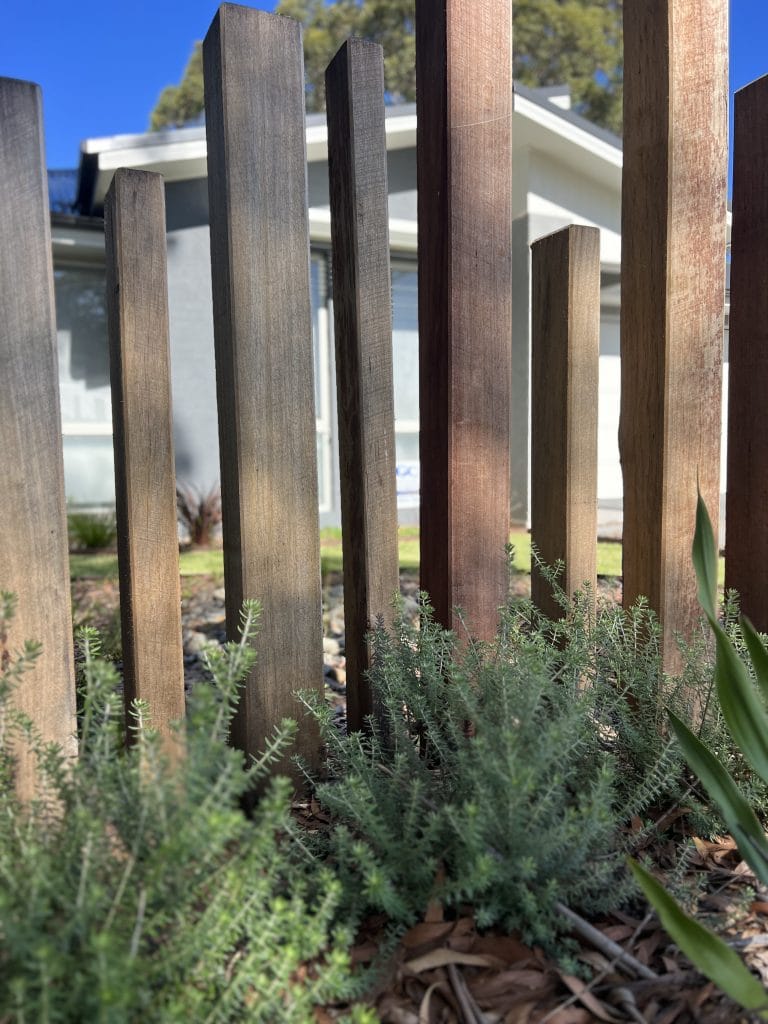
405 368
86 402
321 348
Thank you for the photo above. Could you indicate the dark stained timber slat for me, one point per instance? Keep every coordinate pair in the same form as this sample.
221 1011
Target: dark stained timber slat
464 157
746 547
672 294
257 186
145 482
33 526
564 393
363 322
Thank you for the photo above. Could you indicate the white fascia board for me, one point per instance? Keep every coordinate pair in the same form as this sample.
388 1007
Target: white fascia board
549 132
183 156
402 233
400 134
610 240
75 245
190 153
176 161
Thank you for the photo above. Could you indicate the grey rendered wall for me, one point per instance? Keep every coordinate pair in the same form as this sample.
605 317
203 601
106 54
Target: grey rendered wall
521 356
193 370
401 179
193 365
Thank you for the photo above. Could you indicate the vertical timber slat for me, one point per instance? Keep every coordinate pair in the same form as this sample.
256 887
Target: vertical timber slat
672 294
357 160
33 525
464 158
145 484
746 551
564 394
257 186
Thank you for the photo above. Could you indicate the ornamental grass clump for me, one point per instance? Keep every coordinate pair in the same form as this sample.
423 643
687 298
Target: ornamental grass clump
92 531
199 513
136 890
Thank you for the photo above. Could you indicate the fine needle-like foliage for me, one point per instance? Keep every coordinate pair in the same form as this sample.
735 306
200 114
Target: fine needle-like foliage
139 891
489 782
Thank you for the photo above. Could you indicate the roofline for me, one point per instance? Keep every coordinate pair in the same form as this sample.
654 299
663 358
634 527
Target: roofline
539 97
180 154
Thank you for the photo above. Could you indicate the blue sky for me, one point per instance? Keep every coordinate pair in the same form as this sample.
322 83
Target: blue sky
103 65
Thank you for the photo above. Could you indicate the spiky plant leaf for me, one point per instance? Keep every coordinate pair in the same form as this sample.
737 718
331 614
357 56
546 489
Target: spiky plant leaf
703 948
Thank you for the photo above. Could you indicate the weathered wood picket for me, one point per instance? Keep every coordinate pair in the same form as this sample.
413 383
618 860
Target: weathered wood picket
257 188
145 483
566 352
464 160
672 294
33 522
746 567
672 323
357 169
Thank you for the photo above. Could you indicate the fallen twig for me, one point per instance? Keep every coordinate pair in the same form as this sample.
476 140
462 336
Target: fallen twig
470 1009
605 945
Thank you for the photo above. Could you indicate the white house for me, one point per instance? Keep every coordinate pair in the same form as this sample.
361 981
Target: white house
565 171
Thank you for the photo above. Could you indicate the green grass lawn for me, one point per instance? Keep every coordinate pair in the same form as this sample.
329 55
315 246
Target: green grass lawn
210 563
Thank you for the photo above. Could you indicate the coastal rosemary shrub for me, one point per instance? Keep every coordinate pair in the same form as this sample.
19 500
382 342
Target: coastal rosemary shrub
503 775
136 891
487 785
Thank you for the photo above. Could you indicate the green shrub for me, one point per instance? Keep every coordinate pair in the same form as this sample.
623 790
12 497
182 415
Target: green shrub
91 531
136 891
501 775
487 784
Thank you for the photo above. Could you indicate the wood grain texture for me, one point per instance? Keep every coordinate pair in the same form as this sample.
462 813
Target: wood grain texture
464 157
564 393
145 479
746 547
33 527
672 294
362 304
257 186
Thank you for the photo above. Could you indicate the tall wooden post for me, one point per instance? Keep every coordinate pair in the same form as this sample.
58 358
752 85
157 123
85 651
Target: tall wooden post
565 357
257 187
33 524
464 155
357 166
672 293
145 481
746 547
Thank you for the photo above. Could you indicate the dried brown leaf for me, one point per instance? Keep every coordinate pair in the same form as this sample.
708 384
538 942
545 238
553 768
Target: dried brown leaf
520 1014
443 957
618 932
589 999
364 953
670 1015
490 987
505 947
570 1015
425 933
424 1009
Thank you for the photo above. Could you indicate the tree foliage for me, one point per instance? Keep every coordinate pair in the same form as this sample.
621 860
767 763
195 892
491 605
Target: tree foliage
557 42
576 43
179 104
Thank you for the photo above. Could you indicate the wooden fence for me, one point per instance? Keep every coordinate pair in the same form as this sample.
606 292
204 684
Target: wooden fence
673 234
